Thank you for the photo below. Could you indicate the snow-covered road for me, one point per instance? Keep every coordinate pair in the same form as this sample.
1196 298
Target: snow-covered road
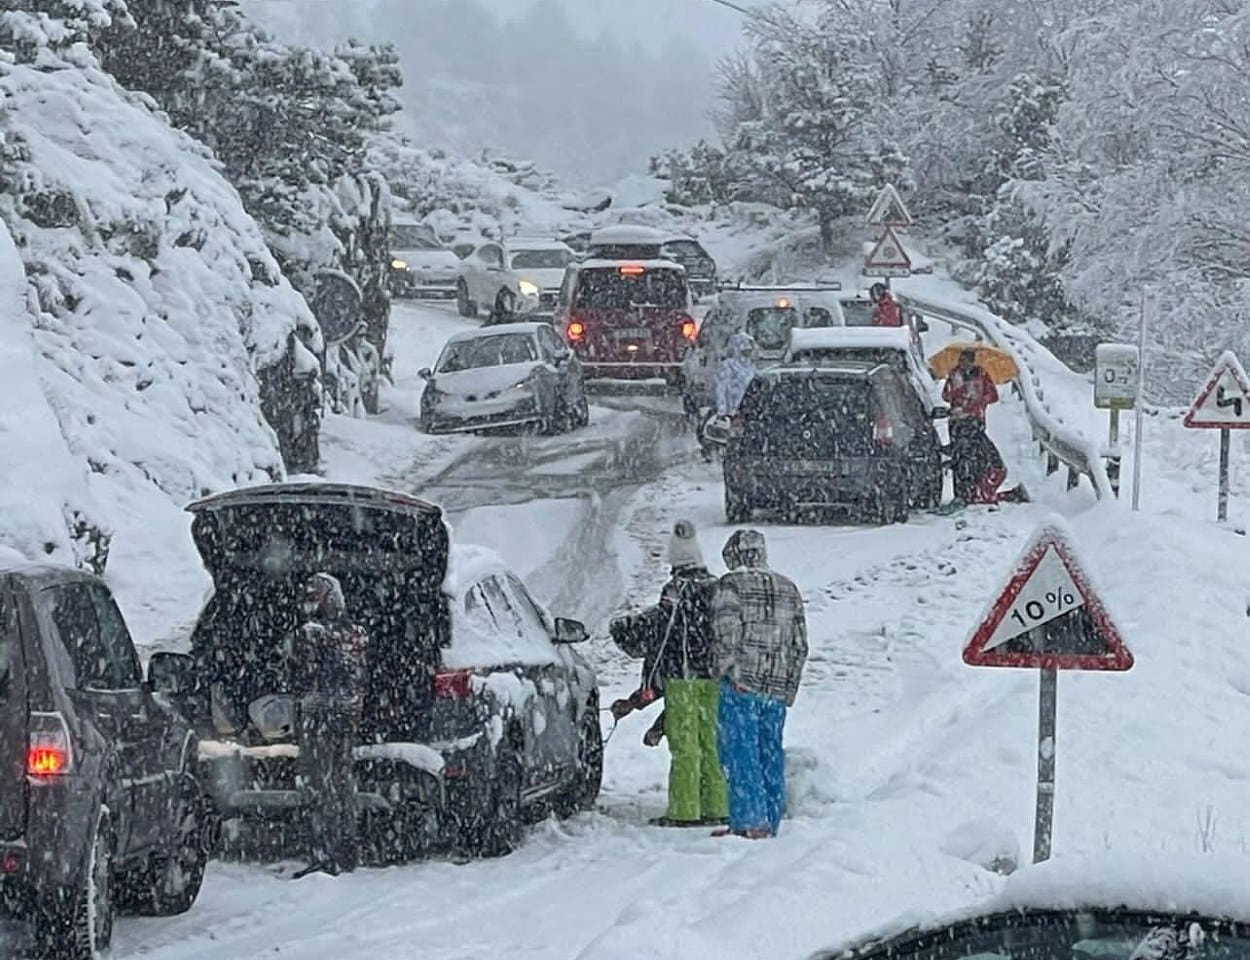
907 770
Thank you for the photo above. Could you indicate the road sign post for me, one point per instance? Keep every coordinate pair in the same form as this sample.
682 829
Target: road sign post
1222 404
1117 369
1047 617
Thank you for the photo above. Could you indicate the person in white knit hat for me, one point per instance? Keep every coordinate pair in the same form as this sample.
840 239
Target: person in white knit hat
675 636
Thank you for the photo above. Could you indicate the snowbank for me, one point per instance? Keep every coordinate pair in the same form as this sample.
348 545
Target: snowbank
153 304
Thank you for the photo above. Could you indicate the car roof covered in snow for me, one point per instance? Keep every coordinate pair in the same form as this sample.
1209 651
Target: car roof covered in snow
828 338
467 564
750 299
527 328
314 492
1171 883
12 562
609 264
839 369
627 233
536 243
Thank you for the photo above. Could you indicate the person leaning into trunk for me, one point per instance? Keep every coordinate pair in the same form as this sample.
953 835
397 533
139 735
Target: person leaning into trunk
328 678
759 650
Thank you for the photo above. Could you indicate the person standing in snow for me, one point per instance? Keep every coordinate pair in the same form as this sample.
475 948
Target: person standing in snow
885 311
681 654
978 468
759 650
328 677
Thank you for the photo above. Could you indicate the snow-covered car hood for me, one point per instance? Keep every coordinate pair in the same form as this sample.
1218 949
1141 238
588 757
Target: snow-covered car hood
547 279
442 260
481 381
1210 885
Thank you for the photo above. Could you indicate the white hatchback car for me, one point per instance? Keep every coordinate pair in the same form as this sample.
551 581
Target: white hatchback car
517 277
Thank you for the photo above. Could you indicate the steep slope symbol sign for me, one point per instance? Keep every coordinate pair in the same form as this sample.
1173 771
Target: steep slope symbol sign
1048 616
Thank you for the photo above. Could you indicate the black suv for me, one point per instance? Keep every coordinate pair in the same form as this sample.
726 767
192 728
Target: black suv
477 711
99 806
847 435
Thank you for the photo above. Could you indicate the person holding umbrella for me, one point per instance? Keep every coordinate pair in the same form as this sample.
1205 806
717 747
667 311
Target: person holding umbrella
977 467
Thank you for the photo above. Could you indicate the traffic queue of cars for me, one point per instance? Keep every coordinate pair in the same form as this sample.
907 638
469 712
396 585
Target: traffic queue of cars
479 714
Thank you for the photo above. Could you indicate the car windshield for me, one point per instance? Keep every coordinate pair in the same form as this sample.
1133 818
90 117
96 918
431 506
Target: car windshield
770 326
541 259
684 250
612 290
415 236
807 417
858 313
491 351
1069 935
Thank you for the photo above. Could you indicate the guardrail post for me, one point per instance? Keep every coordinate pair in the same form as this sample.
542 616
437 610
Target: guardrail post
1113 474
1073 478
1052 463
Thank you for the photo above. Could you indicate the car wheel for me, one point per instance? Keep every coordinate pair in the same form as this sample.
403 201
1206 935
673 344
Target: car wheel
168 883
581 413
737 510
931 495
78 923
464 306
588 777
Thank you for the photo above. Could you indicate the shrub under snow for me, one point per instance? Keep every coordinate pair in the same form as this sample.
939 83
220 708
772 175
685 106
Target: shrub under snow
152 299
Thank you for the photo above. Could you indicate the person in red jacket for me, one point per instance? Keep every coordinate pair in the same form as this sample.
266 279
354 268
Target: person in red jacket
885 311
978 468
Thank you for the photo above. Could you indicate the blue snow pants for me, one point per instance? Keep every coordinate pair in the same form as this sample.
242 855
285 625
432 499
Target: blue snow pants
749 731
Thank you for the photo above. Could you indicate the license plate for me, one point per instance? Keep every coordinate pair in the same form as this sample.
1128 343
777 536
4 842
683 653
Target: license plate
632 333
809 468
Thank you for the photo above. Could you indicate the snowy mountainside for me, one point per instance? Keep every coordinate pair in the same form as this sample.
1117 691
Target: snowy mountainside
152 300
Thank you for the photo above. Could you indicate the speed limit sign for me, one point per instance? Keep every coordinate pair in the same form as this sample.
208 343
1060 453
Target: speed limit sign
1116 368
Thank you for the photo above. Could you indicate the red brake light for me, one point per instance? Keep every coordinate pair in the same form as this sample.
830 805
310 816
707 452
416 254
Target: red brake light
689 329
48 750
11 863
453 684
882 430
576 330
633 270
737 426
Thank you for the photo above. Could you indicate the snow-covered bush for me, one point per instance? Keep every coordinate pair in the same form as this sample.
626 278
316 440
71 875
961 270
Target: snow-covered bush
169 347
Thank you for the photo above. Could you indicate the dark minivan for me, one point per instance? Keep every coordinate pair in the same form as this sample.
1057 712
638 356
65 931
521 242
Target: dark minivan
849 435
627 320
100 808
476 710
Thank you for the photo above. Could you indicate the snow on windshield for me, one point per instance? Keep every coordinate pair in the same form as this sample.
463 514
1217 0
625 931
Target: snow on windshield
496 351
414 237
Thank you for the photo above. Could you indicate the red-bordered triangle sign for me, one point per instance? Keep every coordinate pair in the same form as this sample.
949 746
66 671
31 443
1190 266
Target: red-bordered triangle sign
888 210
1224 400
1048 616
887 254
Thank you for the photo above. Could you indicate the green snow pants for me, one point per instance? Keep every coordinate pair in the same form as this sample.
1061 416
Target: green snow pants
696 782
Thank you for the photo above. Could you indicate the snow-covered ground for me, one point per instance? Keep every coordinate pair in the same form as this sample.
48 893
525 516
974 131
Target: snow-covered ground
908 771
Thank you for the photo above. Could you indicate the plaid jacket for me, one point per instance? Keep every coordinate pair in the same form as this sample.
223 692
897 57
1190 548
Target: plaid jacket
760 632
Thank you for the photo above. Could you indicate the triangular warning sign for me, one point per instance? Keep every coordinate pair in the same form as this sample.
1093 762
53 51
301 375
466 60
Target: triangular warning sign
888 254
1224 400
888 210
1048 616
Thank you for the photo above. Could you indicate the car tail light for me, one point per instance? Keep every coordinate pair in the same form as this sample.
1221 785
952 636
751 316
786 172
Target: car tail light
689 329
48 752
883 431
11 862
738 425
453 684
576 330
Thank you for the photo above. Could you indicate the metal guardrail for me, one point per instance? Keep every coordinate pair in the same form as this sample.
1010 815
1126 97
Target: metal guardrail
1056 441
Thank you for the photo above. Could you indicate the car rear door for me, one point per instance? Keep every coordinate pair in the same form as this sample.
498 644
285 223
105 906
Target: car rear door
108 690
14 719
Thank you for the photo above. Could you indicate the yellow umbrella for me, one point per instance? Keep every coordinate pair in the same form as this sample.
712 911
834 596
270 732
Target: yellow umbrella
997 363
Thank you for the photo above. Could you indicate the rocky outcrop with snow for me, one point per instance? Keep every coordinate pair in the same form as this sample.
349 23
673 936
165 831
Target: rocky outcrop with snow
161 329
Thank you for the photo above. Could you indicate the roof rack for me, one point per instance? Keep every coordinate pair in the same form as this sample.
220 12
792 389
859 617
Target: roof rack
820 286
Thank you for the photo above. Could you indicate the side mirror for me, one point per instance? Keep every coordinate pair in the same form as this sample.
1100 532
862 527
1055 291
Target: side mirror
919 322
425 373
171 674
939 413
570 631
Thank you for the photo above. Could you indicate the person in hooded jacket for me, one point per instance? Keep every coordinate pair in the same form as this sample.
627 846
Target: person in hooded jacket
680 649
885 311
735 374
328 665
759 650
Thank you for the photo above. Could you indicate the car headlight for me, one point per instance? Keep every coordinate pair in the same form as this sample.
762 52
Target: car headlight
398 264
528 288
